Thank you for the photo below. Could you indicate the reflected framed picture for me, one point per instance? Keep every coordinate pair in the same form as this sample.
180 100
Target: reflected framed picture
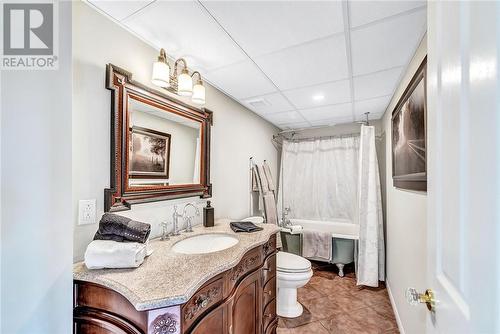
149 155
409 135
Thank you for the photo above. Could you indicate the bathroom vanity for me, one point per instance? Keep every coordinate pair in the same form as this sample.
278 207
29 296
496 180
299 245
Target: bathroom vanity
183 290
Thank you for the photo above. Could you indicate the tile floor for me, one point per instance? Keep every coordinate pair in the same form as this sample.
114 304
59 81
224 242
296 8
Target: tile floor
334 304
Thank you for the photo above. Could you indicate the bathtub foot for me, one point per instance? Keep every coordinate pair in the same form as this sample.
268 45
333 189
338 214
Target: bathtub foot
341 269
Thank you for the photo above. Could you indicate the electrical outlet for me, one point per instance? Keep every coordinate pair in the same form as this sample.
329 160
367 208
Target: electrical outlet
86 211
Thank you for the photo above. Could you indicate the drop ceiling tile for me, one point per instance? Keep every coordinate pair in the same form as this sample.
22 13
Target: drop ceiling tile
241 80
297 125
377 84
261 27
185 29
332 122
308 64
339 111
387 44
363 12
287 117
308 97
375 106
119 9
267 104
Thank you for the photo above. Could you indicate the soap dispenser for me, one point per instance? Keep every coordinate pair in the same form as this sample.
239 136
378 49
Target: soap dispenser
208 215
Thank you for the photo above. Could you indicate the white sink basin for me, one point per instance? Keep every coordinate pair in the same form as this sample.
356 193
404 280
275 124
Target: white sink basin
205 243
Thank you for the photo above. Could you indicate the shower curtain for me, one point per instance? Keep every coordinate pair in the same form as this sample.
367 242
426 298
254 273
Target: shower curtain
337 178
371 262
319 178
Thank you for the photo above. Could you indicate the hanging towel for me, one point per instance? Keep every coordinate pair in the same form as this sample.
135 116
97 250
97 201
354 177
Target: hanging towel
255 172
263 180
255 184
112 254
119 228
317 245
271 213
269 176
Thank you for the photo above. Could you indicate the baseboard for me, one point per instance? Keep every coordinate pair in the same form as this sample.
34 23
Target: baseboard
394 308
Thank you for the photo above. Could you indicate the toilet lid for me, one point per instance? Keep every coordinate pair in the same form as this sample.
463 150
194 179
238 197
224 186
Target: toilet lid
291 263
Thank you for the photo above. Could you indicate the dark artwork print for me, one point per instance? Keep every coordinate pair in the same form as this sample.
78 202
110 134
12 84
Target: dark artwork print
149 153
409 138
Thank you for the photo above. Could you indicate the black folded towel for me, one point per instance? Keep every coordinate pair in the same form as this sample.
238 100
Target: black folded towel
119 228
244 227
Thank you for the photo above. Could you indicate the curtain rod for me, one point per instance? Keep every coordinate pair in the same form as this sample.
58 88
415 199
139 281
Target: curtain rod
347 135
365 122
304 129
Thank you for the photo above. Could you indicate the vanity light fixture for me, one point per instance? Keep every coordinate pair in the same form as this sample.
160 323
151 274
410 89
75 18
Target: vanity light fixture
198 90
180 84
161 71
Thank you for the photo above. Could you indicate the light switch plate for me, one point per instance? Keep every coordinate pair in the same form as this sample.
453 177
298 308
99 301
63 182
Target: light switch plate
86 211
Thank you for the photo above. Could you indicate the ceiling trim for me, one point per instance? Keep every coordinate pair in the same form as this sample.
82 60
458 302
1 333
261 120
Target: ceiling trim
389 18
137 11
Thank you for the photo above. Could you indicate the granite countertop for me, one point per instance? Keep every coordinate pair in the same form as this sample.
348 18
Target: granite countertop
167 278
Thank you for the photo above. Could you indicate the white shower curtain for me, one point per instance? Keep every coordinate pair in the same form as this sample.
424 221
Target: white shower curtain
338 178
371 262
319 178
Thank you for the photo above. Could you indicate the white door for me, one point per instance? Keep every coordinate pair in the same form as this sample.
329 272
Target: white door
464 166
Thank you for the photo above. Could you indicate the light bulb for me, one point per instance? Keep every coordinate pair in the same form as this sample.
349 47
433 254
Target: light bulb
184 84
161 74
199 93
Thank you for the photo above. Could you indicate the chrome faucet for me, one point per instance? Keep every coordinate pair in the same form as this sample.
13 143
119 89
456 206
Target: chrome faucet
164 231
284 220
188 219
175 218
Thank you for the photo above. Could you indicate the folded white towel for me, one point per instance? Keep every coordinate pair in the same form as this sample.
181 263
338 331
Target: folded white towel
292 229
112 254
295 229
254 219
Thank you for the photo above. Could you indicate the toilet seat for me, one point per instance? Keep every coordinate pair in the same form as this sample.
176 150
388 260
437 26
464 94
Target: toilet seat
291 263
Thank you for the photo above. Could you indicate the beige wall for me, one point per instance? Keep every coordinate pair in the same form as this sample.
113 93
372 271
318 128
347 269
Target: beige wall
237 133
405 225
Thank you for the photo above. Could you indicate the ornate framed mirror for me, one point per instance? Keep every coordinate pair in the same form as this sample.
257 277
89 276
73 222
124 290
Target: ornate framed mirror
160 147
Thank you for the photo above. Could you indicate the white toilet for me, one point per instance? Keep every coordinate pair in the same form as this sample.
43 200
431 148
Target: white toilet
293 272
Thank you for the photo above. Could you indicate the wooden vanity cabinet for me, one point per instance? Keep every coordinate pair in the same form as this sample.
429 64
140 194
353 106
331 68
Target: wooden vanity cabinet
249 293
239 314
241 300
